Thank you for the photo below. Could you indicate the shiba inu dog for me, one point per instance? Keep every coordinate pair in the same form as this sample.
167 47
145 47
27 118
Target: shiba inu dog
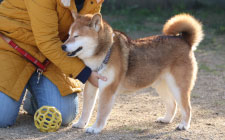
165 62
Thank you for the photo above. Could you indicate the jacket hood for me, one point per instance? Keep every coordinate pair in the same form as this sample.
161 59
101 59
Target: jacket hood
67 3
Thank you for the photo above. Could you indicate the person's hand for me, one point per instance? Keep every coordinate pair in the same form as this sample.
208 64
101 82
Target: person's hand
93 79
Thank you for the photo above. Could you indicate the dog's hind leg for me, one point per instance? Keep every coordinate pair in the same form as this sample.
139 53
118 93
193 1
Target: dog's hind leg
169 101
181 87
181 81
89 95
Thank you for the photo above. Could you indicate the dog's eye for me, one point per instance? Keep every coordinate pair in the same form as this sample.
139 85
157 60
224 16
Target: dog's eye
76 36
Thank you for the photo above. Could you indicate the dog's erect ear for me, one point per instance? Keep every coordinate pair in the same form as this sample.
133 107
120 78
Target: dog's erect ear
96 22
74 14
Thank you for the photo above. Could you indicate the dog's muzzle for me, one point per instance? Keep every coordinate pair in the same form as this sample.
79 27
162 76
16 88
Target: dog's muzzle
74 52
71 53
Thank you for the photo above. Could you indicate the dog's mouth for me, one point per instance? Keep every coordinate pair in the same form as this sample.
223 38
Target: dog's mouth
74 52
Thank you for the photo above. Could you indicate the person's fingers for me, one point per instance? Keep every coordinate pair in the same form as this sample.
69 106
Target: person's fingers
103 78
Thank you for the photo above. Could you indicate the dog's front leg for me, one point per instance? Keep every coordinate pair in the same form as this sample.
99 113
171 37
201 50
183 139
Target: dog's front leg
107 93
89 99
106 101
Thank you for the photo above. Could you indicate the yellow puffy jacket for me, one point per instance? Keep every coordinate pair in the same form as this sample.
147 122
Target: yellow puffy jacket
39 27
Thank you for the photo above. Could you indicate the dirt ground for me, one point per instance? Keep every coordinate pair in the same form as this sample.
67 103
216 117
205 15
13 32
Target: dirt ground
133 116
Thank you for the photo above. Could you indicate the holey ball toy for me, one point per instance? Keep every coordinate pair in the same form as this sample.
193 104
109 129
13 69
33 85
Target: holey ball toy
47 119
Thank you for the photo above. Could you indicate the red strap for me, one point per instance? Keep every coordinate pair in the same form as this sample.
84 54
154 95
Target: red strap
27 55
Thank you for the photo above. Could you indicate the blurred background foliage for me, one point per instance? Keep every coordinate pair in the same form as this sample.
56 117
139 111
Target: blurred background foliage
147 17
163 4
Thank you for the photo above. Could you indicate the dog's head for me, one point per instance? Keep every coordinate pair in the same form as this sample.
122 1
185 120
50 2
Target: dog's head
83 36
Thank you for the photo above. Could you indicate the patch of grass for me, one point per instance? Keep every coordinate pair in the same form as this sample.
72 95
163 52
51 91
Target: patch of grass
128 128
221 67
133 19
221 29
134 130
194 95
205 68
219 103
210 17
128 25
130 19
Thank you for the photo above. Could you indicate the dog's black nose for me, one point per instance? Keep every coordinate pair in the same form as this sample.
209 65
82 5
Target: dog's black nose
64 47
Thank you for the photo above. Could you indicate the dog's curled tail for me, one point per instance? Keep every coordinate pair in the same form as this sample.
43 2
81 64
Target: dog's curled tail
187 26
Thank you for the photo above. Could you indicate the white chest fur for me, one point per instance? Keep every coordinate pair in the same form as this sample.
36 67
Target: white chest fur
93 63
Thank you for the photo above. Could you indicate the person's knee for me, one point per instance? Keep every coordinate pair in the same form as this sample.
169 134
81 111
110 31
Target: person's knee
4 124
7 117
69 112
68 117
8 110
6 120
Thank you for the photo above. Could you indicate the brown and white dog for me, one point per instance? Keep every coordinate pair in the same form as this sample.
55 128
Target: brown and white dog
165 62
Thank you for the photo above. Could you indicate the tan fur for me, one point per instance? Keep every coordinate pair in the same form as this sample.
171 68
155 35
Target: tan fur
188 26
166 63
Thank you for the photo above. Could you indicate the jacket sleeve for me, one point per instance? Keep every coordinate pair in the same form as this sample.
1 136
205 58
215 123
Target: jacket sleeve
44 24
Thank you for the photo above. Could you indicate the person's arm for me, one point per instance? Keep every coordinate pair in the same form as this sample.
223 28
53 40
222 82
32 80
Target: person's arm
44 23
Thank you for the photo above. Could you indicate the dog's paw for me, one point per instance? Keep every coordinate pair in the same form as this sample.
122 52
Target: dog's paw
93 130
79 125
163 120
183 126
